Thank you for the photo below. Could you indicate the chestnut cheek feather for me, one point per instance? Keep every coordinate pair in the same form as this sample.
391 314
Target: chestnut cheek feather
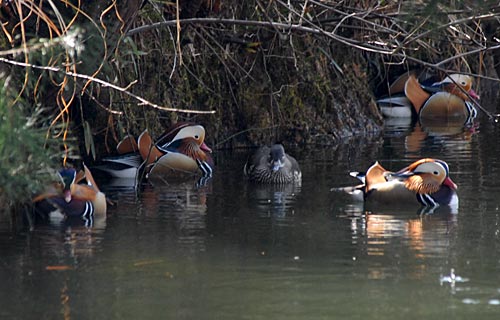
421 185
414 183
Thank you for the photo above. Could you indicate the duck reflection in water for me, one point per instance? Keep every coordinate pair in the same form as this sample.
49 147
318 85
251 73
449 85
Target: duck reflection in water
175 197
390 234
429 133
273 200
181 208
429 110
275 178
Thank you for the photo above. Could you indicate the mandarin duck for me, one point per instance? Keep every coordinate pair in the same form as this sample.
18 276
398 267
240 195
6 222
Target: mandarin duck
75 199
180 150
272 165
425 182
443 99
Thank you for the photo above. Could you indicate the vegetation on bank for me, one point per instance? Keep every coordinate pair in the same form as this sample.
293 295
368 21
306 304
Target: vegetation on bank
26 155
82 75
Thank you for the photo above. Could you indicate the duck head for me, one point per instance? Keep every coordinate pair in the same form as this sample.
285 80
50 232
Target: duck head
455 83
192 134
179 149
190 142
277 157
67 177
426 176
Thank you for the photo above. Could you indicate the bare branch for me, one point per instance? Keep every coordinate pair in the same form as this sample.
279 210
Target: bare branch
267 24
104 84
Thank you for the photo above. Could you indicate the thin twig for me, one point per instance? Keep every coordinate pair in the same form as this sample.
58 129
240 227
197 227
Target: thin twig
243 131
284 26
103 83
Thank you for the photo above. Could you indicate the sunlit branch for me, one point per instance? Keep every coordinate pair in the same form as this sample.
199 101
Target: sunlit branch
104 84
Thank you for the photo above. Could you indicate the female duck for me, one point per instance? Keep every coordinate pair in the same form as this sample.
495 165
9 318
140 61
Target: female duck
272 165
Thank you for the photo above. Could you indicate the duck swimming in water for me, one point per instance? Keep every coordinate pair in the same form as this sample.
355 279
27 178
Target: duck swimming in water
272 165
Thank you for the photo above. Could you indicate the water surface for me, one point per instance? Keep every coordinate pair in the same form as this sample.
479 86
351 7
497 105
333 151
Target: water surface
235 250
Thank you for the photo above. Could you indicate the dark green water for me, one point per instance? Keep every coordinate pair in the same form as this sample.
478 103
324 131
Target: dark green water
232 250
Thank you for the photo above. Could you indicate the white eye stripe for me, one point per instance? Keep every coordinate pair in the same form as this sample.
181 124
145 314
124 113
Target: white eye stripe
437 167
444 165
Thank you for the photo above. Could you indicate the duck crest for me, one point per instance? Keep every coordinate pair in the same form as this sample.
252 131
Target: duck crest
170 134
457 84
415 164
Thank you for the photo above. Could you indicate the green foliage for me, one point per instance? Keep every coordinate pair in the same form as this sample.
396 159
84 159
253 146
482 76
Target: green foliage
24 155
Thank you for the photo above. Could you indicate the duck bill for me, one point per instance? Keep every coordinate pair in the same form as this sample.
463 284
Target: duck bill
206 148
276 166
67 196
448 182
474 95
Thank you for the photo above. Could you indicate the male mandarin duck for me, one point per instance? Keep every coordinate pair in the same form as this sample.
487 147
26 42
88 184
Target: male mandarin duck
179 150
425 182
443 99
75 199
272 165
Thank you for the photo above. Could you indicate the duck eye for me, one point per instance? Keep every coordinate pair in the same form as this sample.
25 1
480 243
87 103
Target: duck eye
463 83
196 136
436 173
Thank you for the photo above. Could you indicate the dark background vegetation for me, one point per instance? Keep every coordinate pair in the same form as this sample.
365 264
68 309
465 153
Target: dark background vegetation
76 77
